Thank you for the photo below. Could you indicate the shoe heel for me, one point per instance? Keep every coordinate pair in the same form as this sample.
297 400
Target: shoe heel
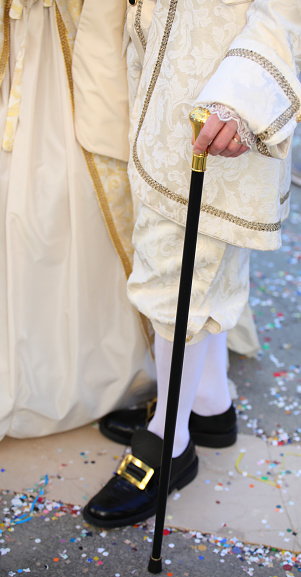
215 441
187 477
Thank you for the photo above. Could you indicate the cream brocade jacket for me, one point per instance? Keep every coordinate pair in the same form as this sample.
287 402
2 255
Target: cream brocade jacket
243 54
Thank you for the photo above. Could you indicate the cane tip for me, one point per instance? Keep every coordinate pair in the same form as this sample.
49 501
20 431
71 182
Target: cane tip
155 565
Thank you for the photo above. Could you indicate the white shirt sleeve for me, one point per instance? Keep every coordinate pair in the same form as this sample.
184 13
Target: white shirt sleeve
258 77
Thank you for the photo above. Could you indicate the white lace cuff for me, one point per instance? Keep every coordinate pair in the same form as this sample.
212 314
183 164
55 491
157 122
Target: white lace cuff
225 114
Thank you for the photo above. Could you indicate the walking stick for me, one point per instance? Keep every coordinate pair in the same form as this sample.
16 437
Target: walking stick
198 117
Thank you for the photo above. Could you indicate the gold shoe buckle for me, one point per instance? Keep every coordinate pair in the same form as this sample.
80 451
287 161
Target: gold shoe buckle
123 473
150 409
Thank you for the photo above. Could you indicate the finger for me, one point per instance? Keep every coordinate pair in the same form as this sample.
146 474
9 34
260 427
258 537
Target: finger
242 149
236 138
233 146
208 133
223 138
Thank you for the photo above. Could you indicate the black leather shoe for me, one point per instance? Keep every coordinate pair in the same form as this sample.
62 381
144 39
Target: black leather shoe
216 432
119 426
131 495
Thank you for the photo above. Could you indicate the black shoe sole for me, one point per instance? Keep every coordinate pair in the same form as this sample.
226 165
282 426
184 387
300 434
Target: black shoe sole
183 480
120 439
215 441
211 440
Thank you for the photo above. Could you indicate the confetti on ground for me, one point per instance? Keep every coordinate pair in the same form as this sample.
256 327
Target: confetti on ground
276 305
275 300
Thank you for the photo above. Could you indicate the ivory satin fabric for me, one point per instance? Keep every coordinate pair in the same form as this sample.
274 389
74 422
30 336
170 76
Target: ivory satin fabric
71 344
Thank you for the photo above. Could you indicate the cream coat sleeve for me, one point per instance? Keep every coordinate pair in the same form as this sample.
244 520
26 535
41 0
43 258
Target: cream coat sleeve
99 74
258 76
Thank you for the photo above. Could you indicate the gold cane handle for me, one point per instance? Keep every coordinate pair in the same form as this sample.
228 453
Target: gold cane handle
198 117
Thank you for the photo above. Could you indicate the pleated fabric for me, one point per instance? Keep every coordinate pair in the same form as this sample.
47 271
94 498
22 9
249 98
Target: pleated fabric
72 347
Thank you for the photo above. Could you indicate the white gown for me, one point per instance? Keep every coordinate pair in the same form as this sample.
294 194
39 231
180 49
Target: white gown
71 344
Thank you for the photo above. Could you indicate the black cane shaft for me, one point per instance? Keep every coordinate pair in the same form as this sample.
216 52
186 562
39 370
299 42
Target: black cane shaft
177 359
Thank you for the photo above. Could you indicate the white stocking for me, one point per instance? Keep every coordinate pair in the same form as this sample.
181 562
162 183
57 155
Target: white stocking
212 395
192 368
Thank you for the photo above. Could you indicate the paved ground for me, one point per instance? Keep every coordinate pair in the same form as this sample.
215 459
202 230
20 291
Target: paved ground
56 541
72 550
272 382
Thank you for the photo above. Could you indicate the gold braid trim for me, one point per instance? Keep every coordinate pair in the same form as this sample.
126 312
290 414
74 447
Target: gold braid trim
261 226
66 51
277 124
152 84
89 158
285 197
6 40
283 119
262 148
137 24
156 185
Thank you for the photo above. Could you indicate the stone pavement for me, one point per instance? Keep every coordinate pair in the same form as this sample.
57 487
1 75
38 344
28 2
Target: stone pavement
242 514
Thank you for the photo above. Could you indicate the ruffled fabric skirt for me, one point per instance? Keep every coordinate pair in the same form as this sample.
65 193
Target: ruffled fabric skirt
71 344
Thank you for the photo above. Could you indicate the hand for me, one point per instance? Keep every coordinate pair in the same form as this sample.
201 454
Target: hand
217 136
